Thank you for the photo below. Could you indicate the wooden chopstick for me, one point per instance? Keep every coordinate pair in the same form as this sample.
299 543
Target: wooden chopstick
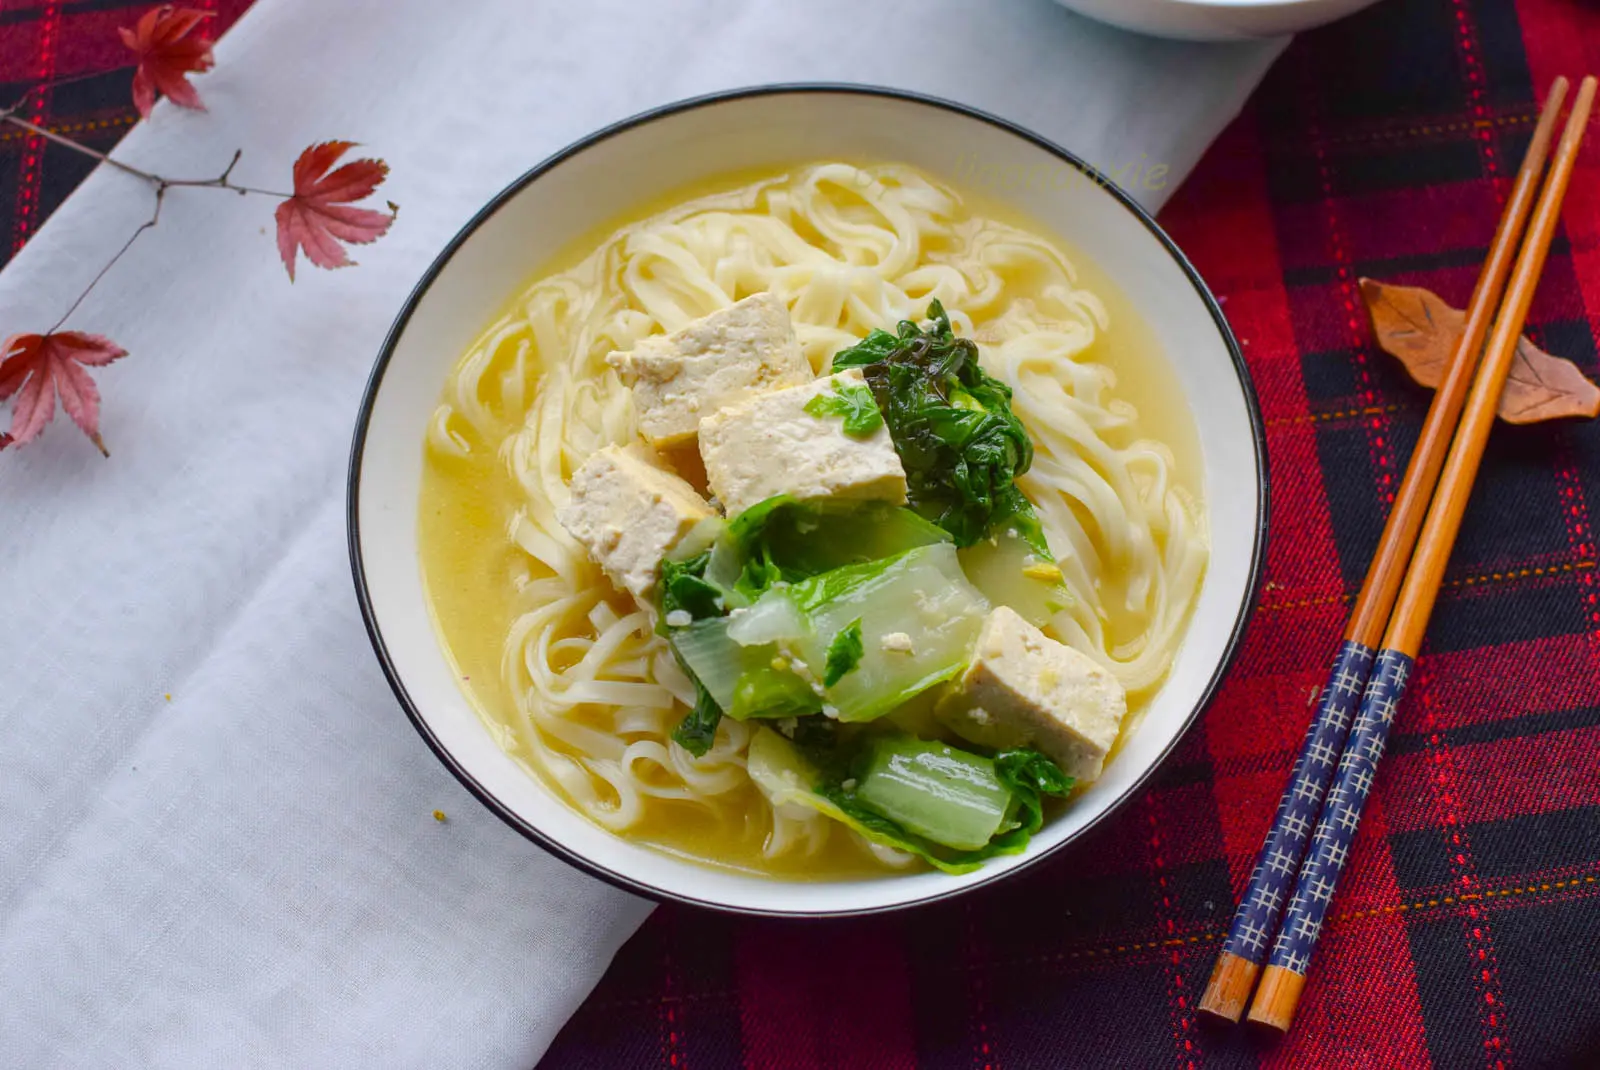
1256 920
1285 975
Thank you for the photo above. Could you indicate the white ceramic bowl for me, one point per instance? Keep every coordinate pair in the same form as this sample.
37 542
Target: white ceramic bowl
1217 20
607 175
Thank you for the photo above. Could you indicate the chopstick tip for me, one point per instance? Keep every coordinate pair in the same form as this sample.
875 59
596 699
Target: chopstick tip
1577 121
1277 998
1228 992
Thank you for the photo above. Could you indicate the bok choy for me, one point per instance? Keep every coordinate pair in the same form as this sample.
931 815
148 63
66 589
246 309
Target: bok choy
921 596
951 808
833 631
789 540
961 445
762 621
685 592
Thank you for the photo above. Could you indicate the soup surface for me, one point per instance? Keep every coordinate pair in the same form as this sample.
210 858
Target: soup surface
571 675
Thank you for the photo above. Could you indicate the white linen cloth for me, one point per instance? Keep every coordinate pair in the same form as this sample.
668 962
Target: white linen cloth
249 873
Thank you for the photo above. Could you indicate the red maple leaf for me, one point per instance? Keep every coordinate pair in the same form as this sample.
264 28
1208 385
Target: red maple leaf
319 216
39 367
166 54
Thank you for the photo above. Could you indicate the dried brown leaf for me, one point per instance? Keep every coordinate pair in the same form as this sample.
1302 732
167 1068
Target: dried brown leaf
1419 328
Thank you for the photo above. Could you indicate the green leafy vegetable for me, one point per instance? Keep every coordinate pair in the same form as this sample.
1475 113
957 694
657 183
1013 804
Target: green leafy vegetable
814 592
850 576
819 737
745 528
698 728
1030 775
1012 838
715 659
787 777
773 692
839 628
744 681
814 776
1027 768
684 587
760 572
773 618
832 625
743 544
950 796
854 403
923 590
952 424
782 539
1009 571
844 653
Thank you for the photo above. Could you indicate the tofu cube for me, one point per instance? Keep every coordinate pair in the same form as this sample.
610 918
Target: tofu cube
1025 689
628 513
770 445
719 360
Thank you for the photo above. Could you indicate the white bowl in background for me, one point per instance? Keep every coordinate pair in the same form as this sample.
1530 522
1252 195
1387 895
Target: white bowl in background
608 175
1217 20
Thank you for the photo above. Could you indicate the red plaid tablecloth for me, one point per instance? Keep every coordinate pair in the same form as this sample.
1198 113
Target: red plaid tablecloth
1467 930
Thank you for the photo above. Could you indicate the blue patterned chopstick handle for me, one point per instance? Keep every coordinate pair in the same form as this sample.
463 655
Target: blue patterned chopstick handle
1330 845
1257 917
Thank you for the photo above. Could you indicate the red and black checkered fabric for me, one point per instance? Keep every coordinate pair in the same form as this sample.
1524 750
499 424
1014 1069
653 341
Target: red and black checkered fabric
1467 929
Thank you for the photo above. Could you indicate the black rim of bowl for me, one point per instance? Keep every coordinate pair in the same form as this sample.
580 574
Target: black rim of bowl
1235 638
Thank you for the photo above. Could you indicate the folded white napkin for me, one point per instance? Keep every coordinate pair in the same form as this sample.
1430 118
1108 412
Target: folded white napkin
248 873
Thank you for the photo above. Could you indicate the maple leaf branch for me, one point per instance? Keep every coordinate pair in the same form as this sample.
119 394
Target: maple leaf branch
158 181
76 146
160 184
40 87
315 218
155 217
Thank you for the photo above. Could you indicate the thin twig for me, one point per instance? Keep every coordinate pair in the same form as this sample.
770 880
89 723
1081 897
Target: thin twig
160 184
220 182
77 146
155 217
50 84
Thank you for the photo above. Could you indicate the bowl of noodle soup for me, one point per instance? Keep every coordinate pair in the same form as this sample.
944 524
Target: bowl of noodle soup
553 695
